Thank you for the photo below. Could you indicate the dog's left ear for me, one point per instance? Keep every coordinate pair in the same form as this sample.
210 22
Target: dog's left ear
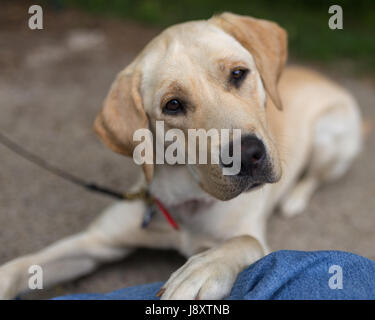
122 114
265 40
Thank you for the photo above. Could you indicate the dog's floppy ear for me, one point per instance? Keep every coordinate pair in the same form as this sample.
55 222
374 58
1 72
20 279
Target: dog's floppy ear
265 40
122 114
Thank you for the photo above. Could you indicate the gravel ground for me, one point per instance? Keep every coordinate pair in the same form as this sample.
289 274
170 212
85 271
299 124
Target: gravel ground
52 83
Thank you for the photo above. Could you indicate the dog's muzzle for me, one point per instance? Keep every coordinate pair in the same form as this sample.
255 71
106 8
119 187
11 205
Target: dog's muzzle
255 164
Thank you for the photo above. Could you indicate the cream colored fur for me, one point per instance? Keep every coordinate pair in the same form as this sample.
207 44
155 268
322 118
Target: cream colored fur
317 131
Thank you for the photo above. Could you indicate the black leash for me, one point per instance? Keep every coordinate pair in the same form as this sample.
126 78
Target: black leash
5 141
143 194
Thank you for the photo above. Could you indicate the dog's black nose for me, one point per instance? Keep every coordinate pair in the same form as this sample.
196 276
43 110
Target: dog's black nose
253 154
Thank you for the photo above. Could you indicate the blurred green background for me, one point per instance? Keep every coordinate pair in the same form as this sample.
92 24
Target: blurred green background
306 22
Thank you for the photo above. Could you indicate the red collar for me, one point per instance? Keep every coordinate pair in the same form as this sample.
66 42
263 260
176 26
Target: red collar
166 214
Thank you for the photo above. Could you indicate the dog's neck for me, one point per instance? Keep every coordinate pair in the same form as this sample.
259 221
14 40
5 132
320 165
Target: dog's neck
176 187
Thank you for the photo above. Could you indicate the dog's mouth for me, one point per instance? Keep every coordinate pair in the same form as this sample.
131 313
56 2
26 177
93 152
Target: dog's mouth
227 191
229 187
253 186
247 186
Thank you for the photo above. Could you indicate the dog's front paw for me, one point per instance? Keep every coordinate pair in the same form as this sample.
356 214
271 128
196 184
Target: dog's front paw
204 276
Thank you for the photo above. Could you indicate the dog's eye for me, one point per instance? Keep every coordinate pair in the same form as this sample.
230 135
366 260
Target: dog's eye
237 76
173 106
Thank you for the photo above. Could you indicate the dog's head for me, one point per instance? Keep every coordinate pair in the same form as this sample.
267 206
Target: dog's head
202 75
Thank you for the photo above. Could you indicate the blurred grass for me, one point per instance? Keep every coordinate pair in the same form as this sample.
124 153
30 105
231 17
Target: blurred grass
306 22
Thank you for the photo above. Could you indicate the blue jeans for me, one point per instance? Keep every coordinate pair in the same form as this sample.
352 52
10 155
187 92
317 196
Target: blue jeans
283 275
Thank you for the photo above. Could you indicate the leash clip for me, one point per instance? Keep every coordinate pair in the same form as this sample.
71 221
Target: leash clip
153 204
149 213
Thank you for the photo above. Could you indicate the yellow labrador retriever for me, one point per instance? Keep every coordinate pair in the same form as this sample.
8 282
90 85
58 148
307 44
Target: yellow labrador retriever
226 72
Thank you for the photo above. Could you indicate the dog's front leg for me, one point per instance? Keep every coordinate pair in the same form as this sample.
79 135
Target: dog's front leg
111 237
64 260
211 274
